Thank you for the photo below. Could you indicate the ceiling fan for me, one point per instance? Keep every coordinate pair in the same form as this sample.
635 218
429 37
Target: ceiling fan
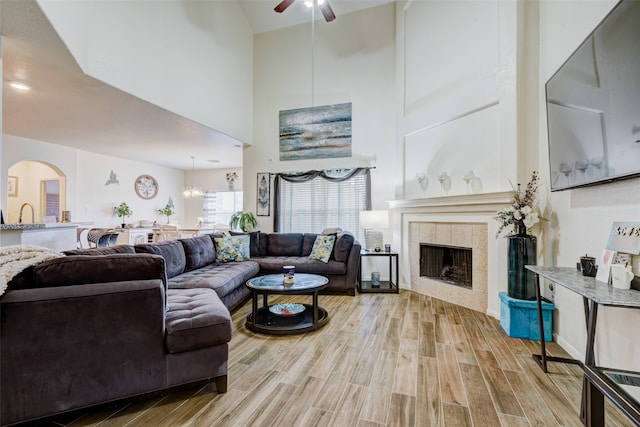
327 12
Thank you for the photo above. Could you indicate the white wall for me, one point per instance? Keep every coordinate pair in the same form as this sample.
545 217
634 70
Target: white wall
88 198
193 58
582 218
353 62
457 63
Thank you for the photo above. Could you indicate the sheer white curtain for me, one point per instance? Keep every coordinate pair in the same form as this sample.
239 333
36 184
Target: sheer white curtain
310 201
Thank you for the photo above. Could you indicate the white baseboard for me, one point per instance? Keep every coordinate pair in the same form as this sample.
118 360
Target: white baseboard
568 347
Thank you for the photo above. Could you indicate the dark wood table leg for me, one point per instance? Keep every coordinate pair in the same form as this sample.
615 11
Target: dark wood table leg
254 307
315 310
543 349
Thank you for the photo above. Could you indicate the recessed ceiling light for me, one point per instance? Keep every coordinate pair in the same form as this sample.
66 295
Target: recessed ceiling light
19 85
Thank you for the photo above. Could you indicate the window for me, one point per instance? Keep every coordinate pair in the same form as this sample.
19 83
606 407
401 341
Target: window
219 206
311 201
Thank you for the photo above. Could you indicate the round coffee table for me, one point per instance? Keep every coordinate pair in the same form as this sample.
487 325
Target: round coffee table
288 318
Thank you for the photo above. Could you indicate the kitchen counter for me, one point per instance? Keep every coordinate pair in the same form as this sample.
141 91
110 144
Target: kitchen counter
60 236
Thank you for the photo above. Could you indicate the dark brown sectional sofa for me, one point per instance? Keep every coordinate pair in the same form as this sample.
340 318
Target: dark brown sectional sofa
103 324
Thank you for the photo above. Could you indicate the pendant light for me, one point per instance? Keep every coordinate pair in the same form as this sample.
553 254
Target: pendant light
192 191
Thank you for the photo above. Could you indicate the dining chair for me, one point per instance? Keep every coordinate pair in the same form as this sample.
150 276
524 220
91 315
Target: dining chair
170 232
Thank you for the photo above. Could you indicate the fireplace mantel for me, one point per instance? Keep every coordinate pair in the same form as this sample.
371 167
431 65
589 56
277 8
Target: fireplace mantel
477 203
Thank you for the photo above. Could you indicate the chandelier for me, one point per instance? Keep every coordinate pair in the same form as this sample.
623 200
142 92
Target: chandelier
192 191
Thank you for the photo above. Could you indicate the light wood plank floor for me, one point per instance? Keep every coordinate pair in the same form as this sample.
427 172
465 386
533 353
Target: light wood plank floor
382 360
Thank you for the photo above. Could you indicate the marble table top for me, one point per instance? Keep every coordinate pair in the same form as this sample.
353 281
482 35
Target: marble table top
588 287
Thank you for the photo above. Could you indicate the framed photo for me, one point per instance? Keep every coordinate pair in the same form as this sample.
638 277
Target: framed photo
625 237
264 194
12 186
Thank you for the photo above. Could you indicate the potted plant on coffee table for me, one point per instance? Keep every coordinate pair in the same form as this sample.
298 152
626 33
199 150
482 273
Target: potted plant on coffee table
244 221
121 211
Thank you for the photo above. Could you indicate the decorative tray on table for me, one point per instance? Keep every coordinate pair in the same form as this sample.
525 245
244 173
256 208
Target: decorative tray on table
286 309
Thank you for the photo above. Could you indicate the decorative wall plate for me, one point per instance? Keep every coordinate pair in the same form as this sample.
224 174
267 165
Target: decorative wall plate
146 187
286 309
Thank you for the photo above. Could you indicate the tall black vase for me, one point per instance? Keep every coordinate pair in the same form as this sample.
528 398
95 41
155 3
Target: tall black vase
522 282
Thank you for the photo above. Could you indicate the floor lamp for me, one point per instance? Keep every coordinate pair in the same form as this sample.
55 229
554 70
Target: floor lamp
373 222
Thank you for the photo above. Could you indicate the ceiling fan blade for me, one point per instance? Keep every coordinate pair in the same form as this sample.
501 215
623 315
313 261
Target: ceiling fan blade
327 11
283 5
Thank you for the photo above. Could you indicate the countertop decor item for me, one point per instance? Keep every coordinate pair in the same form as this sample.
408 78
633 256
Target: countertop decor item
167 211
122 210
521 215
231 178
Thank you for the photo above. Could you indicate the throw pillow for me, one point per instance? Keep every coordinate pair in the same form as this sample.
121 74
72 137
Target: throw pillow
322 248
235 248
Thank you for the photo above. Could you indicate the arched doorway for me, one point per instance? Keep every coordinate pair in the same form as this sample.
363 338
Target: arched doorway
37 192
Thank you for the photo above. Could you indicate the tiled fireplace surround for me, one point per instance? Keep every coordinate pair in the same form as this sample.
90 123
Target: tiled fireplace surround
465 221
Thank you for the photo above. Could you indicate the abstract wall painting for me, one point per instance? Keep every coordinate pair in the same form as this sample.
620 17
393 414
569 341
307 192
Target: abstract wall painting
316 132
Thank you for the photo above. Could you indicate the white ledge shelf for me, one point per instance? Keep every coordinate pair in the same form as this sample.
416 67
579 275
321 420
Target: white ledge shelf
466 202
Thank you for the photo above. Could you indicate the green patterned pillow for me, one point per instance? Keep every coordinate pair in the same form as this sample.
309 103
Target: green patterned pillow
322 248
234 248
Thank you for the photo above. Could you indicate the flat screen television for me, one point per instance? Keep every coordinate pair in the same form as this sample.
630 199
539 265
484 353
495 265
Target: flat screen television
593 105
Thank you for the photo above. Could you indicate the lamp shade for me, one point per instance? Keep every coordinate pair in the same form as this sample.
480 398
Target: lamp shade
371 220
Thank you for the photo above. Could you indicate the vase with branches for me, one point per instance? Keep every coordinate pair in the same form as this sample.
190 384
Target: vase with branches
522 248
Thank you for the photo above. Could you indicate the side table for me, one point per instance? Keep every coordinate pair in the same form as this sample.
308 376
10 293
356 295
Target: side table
386 286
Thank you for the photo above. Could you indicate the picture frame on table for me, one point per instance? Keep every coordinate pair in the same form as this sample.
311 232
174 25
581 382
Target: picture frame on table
264 194
604 265
12 186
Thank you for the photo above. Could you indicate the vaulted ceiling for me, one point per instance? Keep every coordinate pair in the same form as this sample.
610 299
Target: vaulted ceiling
70 108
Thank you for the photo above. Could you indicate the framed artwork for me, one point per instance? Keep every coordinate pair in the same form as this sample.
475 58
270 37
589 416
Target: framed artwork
264 194
316 132
12 186
625 237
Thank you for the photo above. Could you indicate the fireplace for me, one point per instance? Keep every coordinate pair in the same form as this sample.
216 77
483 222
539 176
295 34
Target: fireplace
463 221
449 264
449 261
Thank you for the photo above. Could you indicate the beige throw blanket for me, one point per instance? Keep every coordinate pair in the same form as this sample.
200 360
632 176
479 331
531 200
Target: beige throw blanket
14 259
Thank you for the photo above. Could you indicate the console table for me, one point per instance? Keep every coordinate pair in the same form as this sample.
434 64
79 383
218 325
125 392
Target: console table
594 293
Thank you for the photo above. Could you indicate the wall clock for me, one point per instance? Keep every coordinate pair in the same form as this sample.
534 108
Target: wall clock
146 187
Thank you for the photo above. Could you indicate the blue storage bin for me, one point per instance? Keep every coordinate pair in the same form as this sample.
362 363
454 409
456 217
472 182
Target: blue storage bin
519 318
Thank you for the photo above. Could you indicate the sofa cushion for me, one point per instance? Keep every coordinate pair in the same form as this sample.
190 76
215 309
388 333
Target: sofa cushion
342 246
284 244
230 249
273 264
118 249
171 250
199 251
87 269
222 278
254 237
307 243
196 318
322 248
